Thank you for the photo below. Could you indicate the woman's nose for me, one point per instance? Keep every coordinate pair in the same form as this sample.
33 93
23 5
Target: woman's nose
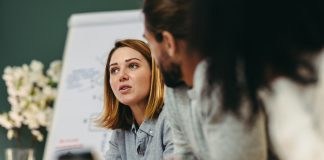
123 77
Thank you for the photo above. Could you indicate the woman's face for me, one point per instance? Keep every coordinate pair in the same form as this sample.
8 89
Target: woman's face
130 76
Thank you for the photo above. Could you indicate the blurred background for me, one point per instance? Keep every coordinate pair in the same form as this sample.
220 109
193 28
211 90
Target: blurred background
36 29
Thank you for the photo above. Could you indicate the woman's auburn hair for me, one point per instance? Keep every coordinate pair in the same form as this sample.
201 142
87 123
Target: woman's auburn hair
119 116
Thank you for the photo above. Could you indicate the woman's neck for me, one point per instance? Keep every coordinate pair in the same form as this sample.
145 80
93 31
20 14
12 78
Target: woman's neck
138 111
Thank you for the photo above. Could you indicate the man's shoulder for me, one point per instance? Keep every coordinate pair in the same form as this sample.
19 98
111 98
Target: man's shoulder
177 94
181 90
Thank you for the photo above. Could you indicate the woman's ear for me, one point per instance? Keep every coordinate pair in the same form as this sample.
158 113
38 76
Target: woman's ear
169 43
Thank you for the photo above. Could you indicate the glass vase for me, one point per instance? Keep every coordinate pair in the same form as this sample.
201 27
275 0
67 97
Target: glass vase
20 154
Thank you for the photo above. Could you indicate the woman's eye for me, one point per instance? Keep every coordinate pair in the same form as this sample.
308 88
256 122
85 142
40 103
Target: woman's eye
114 70
133 66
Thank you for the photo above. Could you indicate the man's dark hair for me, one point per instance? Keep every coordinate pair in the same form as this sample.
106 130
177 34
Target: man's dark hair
250 43
167 15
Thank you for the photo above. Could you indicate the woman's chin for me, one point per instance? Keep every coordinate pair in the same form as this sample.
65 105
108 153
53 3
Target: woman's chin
127 102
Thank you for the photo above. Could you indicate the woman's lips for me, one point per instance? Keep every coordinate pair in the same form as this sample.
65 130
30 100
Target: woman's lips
123 89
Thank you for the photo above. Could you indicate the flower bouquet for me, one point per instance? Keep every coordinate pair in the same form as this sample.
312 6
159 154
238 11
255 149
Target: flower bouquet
31 96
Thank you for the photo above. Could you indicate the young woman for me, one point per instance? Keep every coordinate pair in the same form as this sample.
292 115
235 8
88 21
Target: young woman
133 104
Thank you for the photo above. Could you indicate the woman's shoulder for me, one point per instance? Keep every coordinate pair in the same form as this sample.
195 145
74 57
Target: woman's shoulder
162 115
118 134
161 121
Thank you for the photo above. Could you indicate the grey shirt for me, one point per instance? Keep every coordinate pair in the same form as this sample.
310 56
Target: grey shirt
152 140
199 134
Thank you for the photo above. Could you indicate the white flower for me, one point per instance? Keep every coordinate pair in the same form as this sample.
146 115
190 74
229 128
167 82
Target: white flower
54 70
12 91
25 67
13 101
31 96
49 115
36 66
49 91
16 118
38 135
5 121
10 134
41 118
8 70
31 122
24 90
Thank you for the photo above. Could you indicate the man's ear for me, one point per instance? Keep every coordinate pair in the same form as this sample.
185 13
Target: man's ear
169 43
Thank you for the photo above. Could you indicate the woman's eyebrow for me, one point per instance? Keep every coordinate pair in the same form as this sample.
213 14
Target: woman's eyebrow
113 64
127 60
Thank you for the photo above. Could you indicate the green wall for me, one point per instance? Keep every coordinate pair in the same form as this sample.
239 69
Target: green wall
36 29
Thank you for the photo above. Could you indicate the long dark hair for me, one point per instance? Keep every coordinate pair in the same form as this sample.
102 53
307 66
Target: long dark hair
250 43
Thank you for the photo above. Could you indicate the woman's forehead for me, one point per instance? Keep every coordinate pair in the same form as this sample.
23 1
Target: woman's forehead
125 53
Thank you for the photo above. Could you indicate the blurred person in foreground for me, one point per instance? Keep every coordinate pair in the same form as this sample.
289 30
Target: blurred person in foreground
203 126
270 53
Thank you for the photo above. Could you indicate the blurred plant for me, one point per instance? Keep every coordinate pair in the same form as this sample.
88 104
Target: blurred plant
31 96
